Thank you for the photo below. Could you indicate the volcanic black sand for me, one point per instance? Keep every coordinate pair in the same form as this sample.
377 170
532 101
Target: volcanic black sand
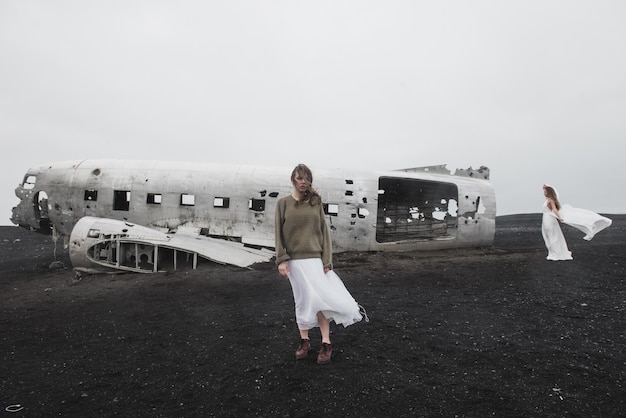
496 331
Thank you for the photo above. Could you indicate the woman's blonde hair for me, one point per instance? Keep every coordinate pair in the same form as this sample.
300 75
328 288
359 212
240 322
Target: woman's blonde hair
551 193
310 195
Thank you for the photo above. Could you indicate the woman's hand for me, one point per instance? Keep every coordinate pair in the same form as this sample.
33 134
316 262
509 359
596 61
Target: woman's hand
283 269
326 270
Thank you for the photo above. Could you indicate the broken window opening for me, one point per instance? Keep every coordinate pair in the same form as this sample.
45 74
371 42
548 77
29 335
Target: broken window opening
41 207
144 257
173 259
128 251
154 198
480 208
221 202
331 209
257 205
187 199
91 195
132 254
121 200
410 209
103 252
29 182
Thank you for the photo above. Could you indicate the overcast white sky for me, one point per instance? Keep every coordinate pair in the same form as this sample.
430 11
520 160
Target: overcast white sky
534 90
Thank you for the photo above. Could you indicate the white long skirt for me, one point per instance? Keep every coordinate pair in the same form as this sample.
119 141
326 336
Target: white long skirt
314 291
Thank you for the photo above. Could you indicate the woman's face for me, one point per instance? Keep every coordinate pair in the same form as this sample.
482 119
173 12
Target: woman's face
300 182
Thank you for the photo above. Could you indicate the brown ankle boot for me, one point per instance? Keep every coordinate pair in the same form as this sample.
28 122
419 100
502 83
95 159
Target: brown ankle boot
324 354
303 349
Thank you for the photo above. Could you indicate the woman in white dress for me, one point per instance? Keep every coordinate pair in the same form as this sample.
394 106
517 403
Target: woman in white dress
304 256
553 212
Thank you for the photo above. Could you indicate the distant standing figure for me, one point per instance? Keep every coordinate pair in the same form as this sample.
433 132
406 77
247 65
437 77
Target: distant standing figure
553 212
304 256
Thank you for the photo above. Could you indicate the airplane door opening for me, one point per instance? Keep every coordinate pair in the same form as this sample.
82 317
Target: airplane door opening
40 206
414 209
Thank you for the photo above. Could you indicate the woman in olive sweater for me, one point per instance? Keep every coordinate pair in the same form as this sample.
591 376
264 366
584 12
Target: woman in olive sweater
304 256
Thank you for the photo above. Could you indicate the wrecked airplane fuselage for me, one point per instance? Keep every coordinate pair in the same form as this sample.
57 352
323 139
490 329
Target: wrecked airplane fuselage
196 206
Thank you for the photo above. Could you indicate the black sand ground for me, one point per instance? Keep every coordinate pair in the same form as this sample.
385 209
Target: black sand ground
471 333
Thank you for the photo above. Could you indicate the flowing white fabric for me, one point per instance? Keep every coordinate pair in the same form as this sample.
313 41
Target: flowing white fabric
584 220
314 291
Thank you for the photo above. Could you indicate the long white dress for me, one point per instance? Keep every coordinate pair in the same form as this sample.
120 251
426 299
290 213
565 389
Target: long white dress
314 291
553 236
582 219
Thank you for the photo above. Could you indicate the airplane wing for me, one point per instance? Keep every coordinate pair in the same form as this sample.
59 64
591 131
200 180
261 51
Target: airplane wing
222 251
107 245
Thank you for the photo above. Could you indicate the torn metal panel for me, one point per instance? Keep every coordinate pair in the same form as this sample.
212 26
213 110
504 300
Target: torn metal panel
479 173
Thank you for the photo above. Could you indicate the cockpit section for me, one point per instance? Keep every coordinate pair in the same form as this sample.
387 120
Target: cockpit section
33 210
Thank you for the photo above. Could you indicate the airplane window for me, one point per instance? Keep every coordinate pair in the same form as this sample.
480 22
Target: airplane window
257 205
29 182
187 199
154 198
221 202
91 195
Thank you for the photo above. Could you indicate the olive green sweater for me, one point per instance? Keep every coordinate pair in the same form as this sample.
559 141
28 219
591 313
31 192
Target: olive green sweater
301 232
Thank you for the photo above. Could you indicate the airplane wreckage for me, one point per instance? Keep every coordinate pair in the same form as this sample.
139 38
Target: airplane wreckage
150 216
